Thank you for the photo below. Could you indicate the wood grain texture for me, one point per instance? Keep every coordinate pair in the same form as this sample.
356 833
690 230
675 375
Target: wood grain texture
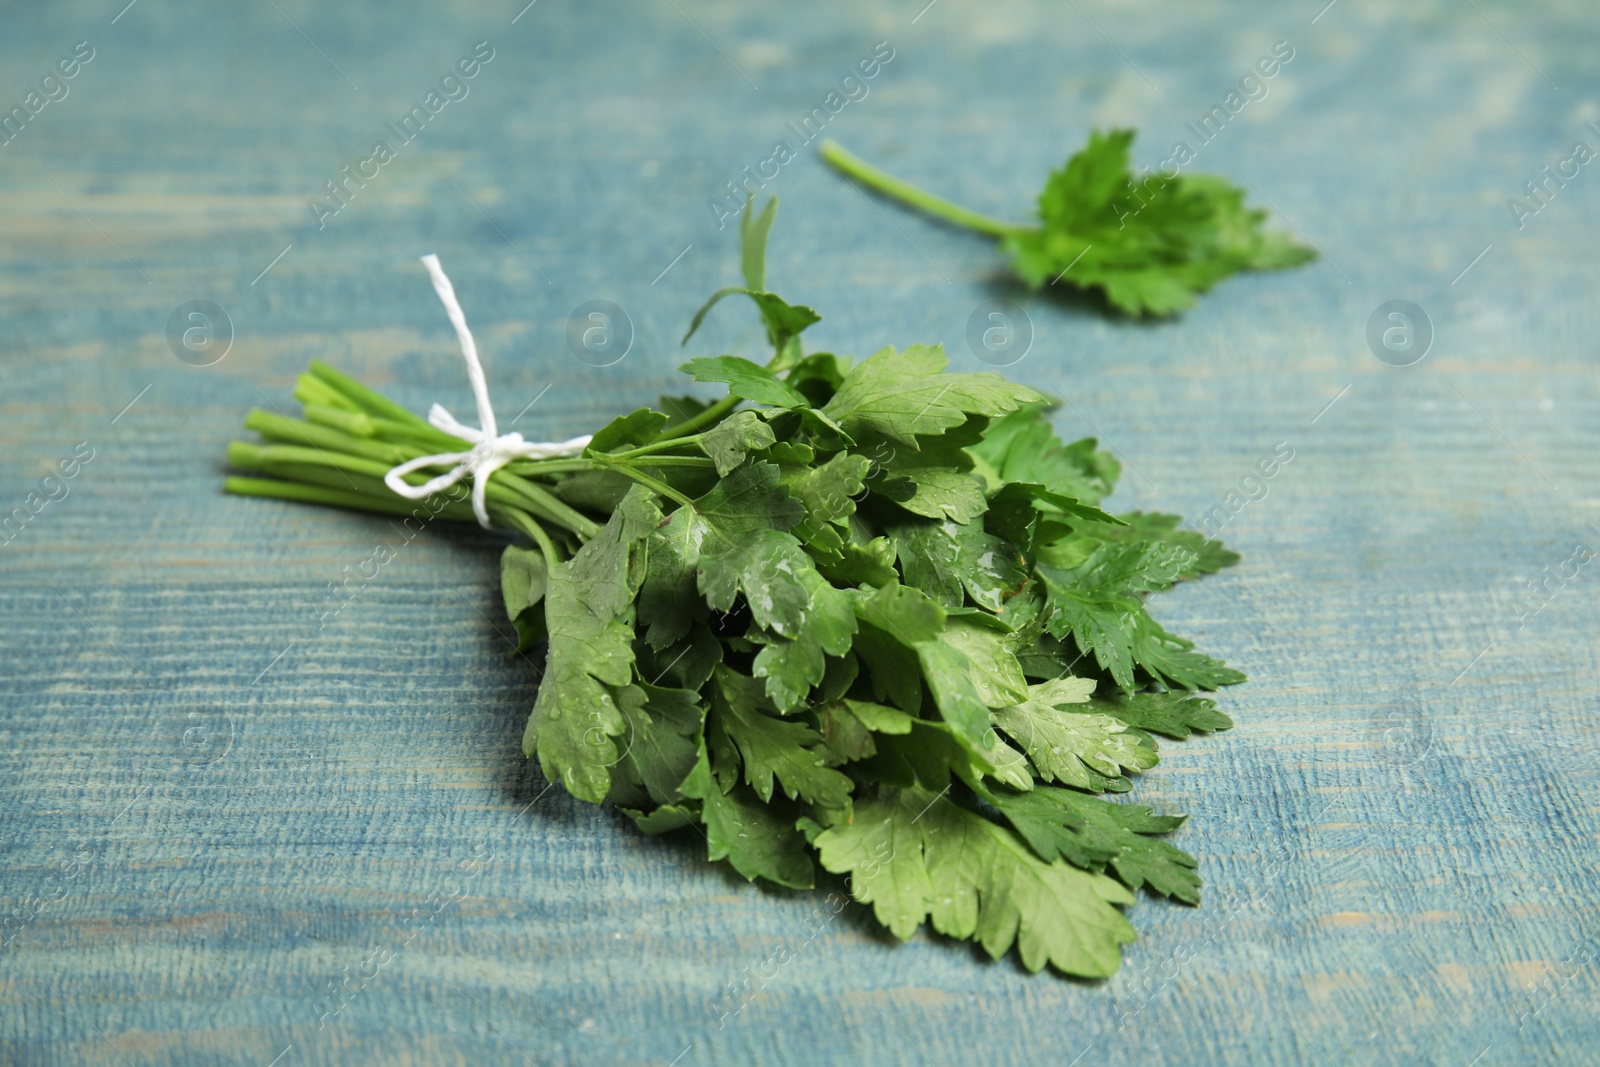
211 806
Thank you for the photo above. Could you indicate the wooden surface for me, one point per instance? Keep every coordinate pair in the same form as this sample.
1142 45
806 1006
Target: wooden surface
211 806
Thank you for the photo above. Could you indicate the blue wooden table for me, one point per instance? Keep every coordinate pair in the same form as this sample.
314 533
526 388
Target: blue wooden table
238 828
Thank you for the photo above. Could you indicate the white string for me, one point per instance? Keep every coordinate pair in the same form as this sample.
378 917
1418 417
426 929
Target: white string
490 450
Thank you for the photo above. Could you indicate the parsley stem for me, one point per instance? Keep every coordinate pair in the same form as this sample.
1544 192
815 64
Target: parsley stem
676 461
525 522
276 489
648 461
359 487
659 445
699 422
547 504
651 483
369 399
324 438
538 468
835 155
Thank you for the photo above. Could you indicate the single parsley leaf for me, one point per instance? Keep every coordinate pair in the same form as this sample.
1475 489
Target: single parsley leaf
915 622
1029 515
1095 834
784 321
1064 746
590 605
736 537
903 395
1096 599
949 559
523 580
669 603
995 673
933 480
935 492
662 820
848 727
1149 245
866 562
846 736
1173 661
631 430
792 665
787 751
745 379
1209 555
734 438
828 493
751 835
930 559
1022 447
914 855
1175 713
661 740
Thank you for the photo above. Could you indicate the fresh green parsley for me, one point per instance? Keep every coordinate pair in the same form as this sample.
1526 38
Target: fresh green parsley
863 618
1149 244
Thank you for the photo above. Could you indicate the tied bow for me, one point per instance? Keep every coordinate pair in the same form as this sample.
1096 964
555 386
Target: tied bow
490 450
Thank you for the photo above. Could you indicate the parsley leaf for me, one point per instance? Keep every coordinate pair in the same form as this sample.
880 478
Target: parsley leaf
771 748
1148 244
827 491
1174 714
914 856
660 746
754 837
590 608
1065 746
1023 448
903 394
792 665
1094 834
523 580
736 437
745 379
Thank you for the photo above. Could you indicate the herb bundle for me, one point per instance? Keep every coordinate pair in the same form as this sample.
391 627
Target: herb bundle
864 615
1148 244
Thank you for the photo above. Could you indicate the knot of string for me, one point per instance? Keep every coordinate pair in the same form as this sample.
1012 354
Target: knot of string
490 449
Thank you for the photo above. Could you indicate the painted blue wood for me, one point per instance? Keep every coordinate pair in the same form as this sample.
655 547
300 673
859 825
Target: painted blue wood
236 833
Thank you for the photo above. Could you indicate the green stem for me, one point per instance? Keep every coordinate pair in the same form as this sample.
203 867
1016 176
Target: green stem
360 486
263 457
873 178
325 438
525 523
372 401
309 389
676 461
659 445
538 468
694 425
544 503
273 489
659 486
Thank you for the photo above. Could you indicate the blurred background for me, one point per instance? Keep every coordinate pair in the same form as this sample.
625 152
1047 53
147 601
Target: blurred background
235 829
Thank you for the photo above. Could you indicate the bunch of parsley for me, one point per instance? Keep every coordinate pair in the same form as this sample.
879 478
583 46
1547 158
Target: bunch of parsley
1149 245
863 615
